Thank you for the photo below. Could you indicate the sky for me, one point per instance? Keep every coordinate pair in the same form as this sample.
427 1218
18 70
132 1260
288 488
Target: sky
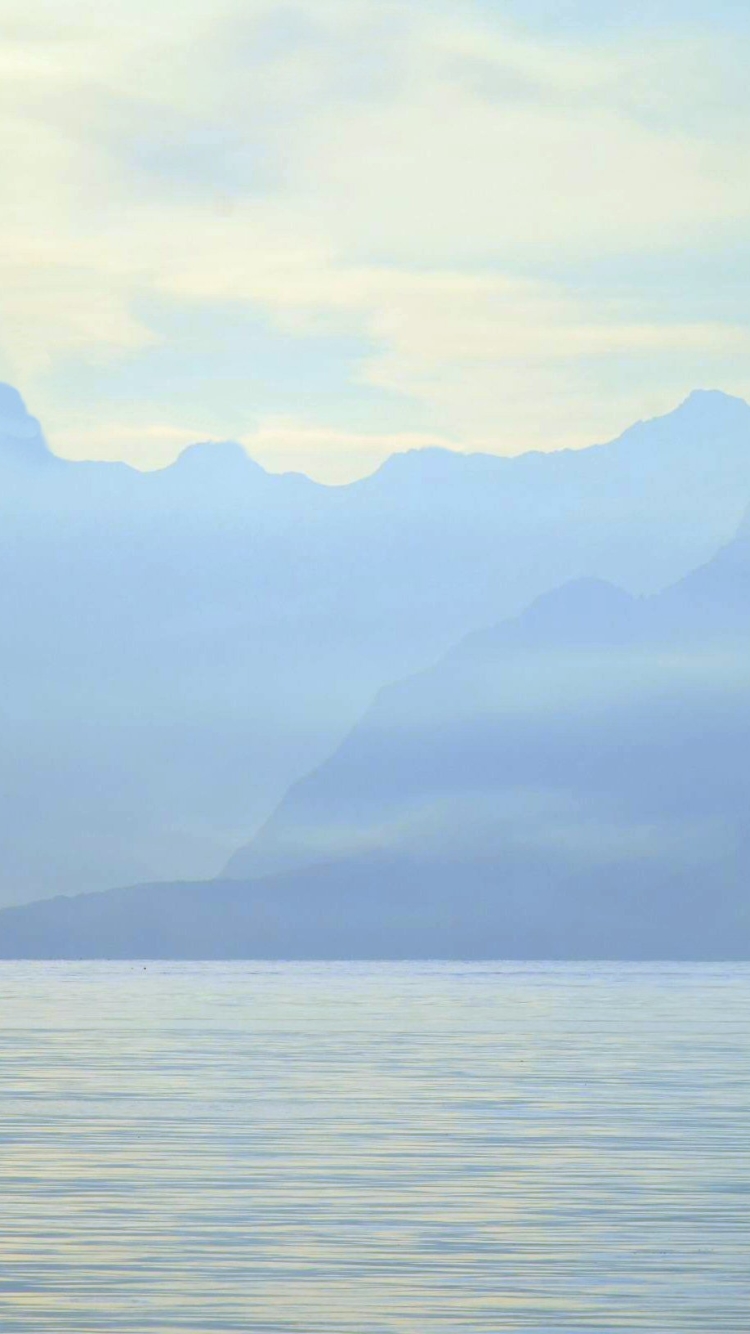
336 229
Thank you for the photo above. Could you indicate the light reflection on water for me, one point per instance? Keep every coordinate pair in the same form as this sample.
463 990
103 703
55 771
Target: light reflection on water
334 1149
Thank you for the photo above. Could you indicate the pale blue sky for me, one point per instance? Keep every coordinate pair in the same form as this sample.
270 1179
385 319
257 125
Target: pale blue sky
338 228
586 16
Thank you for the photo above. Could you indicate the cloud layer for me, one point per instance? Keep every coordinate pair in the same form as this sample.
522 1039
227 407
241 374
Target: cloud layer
327 227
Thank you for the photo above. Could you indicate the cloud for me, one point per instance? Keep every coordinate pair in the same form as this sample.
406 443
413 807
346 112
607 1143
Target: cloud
431 180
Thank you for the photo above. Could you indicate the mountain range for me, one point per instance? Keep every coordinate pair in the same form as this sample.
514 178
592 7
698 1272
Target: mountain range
572 783
181 646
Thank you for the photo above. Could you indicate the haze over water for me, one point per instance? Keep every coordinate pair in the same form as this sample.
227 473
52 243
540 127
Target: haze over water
355 1149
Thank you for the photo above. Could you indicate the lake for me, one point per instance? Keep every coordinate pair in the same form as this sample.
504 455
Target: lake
355 1149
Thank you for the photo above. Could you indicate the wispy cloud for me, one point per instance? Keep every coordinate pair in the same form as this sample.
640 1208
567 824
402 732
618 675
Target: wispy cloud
431 180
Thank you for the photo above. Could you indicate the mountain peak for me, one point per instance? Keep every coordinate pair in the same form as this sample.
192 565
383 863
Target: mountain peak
21 437
580 608
216 460
12 406
217 454
710 402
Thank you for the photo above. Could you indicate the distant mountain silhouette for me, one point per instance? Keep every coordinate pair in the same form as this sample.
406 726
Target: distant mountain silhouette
180 646
22 444
571 784
578 689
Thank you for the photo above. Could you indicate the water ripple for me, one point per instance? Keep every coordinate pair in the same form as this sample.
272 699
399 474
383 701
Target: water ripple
362 1149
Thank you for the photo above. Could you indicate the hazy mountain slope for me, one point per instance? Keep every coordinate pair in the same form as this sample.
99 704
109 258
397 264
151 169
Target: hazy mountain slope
597 724
572 784
380 907
179 646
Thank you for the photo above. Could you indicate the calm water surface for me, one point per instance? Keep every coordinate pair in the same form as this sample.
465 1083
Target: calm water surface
366 1148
